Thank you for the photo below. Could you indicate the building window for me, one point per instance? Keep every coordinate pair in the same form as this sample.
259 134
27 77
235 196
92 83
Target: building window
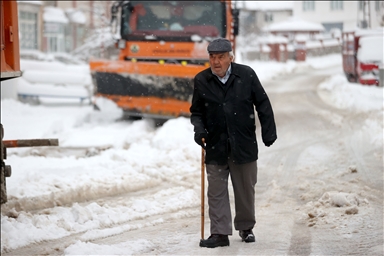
308 5
336 5
28 30
54 34
268 17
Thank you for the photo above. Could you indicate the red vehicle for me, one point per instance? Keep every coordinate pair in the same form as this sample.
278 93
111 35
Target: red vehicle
362 55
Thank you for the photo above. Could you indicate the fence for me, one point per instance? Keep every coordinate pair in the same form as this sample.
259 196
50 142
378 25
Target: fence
297 50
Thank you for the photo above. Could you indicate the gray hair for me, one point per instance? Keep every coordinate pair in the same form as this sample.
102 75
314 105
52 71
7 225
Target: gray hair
231 54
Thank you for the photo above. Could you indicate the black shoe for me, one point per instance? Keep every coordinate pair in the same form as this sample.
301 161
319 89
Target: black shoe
247 236
215 241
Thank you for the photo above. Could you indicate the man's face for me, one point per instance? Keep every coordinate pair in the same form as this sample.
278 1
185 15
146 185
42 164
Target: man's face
220 62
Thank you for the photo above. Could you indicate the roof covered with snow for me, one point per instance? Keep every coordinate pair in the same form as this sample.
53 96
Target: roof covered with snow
294 24
54 14
265 5
76 16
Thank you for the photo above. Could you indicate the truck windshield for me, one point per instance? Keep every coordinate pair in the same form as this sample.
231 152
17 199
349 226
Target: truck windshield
172 19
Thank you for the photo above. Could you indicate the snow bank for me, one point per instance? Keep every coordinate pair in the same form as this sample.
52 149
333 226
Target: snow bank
56 77
338 92
53 80
59 222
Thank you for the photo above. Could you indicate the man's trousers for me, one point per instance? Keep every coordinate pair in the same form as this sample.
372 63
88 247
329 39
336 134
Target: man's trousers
244 178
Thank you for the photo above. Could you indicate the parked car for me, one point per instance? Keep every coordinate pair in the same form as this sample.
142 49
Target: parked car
363 55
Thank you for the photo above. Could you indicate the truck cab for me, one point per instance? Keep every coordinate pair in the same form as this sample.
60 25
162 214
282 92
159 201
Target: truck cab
163 45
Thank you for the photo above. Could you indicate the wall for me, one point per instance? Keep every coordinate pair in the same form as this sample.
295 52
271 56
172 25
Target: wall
278 16
349 16
252 21
96 12
312 48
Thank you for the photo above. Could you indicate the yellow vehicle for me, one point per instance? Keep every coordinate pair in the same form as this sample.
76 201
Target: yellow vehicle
163 45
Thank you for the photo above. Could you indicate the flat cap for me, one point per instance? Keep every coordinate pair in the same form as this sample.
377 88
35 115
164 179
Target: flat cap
219 45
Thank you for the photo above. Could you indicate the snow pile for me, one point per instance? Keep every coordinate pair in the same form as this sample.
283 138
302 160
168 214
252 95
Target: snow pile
332 204
61 57
338 92
339 199
54 15
98 220
108 111
47 81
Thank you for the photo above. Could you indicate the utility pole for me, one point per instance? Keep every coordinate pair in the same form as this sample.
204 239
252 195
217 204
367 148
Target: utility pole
364 14
91 14
369 13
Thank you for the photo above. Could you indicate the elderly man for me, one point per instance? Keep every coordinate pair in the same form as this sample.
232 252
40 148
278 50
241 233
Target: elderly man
223 114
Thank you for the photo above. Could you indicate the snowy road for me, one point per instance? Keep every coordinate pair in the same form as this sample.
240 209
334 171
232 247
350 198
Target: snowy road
319 191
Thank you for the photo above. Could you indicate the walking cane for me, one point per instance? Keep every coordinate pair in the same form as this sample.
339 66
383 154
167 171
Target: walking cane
202 190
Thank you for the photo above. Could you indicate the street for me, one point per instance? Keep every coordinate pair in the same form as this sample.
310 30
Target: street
319 189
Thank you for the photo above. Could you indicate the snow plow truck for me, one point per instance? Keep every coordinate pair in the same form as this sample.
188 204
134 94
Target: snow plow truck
363 55
162 46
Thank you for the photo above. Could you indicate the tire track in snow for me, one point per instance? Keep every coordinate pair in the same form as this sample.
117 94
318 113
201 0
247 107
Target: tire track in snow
302 103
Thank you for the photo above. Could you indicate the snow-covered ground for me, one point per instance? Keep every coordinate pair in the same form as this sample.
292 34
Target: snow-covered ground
103 156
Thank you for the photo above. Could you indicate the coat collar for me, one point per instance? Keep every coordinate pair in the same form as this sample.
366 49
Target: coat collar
234 71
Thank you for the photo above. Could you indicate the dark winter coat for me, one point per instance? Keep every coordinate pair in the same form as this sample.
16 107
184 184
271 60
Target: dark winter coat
226 113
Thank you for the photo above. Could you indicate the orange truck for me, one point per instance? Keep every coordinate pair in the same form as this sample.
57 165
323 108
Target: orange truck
10 68
10 57
362 52
162 47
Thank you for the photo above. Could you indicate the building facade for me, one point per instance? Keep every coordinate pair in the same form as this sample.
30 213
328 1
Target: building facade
255 15
60 26
30 24
343 15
